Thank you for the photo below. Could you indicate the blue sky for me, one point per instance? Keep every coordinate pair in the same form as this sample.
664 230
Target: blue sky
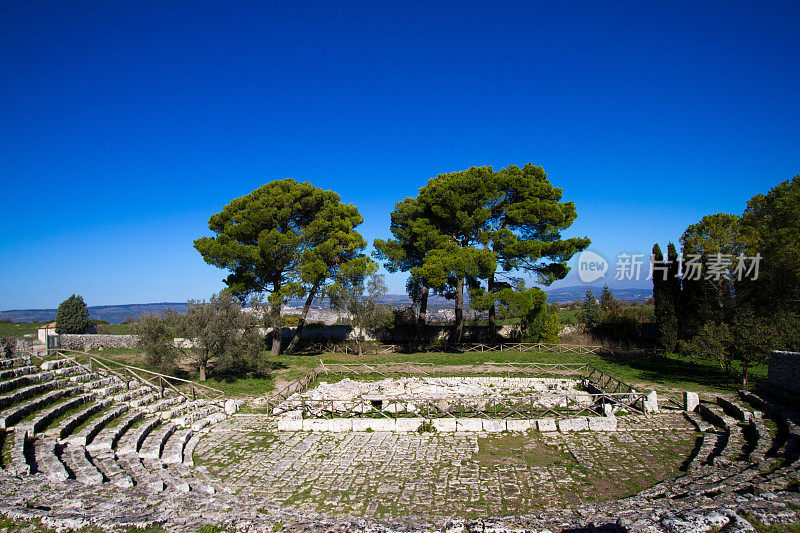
125 125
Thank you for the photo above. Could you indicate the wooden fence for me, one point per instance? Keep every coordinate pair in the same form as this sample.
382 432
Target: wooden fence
519 347
154 380
558 404
600 381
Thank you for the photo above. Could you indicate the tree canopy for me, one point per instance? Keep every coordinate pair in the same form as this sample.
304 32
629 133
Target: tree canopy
480 223
72 315
285 238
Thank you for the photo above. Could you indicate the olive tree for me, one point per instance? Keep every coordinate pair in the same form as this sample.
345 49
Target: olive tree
358 290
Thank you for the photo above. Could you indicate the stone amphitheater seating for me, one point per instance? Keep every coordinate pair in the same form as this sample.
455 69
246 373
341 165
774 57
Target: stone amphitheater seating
87 429
64 421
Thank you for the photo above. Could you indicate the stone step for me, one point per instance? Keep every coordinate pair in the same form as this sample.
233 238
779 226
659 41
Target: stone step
755 400
163 404
56 364
131 394
100 382
711 446
175 445
12 373
68 425
13 362
85 377
195 415
25 393
100 437
87 434
181 408
14 414
145 400
46 416
21 451
111 389
158 468
131 441
196 484
47 461
73 371
735 410
153 445
699 424
132 465
714 414
213 418
107 464
82 468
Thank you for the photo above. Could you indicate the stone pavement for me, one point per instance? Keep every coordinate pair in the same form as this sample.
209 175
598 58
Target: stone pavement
469 474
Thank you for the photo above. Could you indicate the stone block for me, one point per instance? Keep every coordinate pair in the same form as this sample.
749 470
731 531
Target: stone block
232 406
493 425
520 425
566 425
469 424
408 424
651 402
375 424
690 401
338 425
602 423
444 424
290 424
546 424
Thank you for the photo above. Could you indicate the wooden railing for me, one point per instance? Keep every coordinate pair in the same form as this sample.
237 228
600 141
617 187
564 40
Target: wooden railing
156 381
519 347
605 387
559 404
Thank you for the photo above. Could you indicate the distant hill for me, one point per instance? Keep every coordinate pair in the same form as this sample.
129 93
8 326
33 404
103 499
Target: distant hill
578 292
116 314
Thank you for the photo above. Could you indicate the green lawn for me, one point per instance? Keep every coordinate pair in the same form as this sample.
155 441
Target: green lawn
665 373
114 329
18 329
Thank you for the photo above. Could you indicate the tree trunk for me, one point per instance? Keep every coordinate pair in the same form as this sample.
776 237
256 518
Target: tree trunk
422 328
458 328
492 310
202 363
277 332
302 322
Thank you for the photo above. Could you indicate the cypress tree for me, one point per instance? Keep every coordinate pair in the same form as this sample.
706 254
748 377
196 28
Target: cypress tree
664 296
72 316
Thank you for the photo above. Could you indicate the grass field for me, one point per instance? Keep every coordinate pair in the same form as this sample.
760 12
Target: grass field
665 373
19 329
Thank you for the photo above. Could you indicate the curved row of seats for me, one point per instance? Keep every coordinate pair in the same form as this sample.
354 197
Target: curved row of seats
736 460
62 420
91 428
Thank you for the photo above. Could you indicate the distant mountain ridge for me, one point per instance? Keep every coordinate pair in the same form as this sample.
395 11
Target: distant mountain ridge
117 314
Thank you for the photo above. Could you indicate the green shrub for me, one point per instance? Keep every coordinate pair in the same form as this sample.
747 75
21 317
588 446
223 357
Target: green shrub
426 427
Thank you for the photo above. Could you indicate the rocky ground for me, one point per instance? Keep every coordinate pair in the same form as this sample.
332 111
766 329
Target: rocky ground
470 475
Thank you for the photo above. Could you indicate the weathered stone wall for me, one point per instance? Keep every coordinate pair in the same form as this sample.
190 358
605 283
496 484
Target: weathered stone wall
95 342
12 346
784 371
